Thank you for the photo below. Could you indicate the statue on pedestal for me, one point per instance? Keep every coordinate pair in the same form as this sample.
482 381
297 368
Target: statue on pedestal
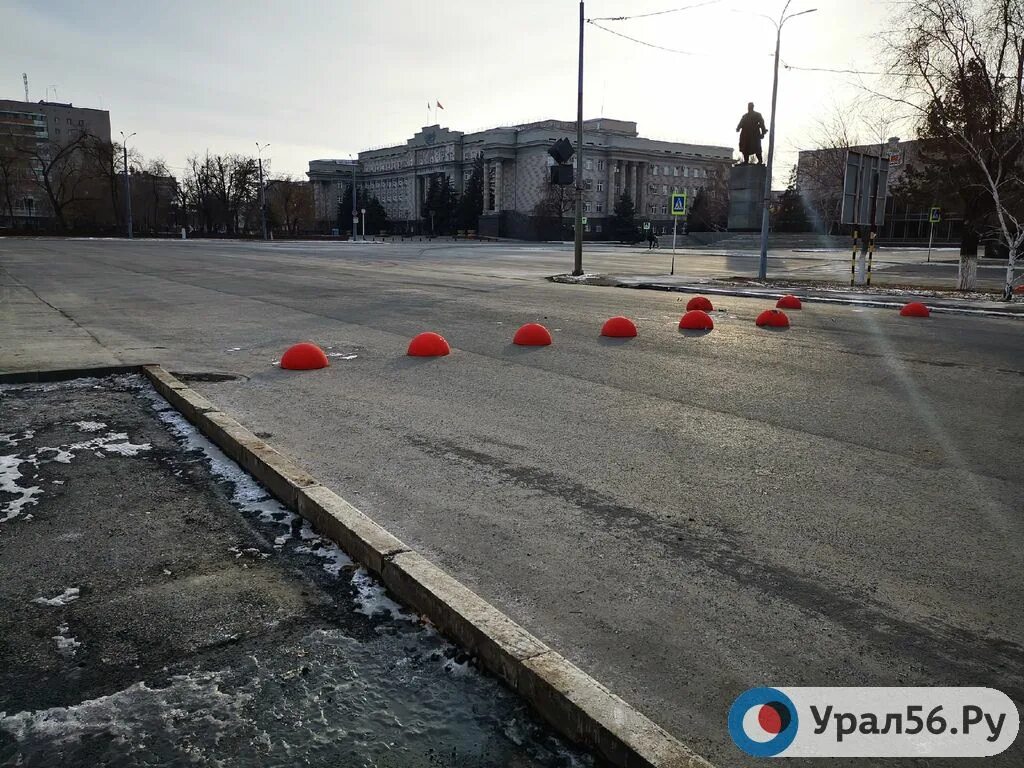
751 129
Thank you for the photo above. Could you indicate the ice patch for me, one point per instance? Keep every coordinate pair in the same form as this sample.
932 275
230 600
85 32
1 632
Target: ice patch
333 556
13 439
342 355
90 426
10 472
66 645
23 496
125 714
371 598
250 496
67 596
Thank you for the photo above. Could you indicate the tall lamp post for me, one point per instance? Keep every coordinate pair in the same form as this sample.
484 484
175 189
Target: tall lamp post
577 264
762 271
127 181
263 196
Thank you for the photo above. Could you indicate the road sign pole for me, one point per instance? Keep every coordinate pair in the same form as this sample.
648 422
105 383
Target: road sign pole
931 233
675 224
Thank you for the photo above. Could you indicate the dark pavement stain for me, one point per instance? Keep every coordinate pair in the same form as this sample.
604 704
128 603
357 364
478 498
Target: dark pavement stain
956 655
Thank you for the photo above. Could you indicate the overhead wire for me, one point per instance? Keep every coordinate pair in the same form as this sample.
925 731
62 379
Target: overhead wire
655 13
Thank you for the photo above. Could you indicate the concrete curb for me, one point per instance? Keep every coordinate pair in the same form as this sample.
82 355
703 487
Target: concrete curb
776 294
64 374
572 702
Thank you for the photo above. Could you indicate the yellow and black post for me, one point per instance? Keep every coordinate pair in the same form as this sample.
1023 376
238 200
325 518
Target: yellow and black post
853 261
871 253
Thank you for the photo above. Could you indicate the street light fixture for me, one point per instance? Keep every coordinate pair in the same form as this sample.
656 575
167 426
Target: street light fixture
263 199
762 271
127 181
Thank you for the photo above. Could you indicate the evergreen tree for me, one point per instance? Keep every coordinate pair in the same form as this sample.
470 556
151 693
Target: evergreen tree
376 217
790 213
623 220
439 209
471 205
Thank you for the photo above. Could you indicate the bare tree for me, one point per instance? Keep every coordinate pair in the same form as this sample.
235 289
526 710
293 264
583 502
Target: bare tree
62 173
14 170
290 202
105 161
960 65
822 169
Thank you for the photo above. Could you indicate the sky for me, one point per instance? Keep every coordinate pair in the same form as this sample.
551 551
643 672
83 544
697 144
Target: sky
318 79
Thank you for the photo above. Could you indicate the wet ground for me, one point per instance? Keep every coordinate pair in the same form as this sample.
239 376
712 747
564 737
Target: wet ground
157 607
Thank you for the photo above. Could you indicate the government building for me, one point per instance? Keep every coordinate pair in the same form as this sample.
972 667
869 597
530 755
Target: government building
516 175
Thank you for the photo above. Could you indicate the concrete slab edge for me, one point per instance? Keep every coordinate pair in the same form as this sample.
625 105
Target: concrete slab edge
775 295
64 374
572 702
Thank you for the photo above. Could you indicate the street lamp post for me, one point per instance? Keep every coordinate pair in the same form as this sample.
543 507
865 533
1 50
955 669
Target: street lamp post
762 270
127 182
577 265
263 196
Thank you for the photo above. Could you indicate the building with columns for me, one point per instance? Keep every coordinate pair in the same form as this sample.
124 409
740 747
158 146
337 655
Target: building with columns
616 160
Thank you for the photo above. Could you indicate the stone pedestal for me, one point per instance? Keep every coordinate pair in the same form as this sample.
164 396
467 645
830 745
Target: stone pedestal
746 197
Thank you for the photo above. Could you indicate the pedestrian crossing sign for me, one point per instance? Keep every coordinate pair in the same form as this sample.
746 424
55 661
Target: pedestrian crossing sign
678 203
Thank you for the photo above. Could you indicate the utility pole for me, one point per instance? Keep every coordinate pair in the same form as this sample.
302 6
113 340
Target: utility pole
762 269
127 181
263 196
577 268
355 210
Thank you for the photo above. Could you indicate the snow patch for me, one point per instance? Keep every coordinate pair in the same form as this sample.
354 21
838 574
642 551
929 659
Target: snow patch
23 495
121 715
90 426
66 645
67 596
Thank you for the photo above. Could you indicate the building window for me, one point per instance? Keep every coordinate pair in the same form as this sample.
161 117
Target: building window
588 165
586 227
664 210
600 165
588 183
675 170
597 227
586 207
664 189
600 207
600 186
654 170
667 170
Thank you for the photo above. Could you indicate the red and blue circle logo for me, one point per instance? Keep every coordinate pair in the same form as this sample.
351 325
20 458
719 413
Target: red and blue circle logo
763 722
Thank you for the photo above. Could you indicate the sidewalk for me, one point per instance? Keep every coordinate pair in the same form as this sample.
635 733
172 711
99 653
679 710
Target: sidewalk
808 291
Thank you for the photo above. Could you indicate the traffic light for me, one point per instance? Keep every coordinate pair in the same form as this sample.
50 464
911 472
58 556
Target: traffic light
562 172
562 151
561 175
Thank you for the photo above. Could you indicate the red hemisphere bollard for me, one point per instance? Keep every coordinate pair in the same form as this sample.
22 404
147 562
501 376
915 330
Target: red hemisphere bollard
619 328
696 320
304 356
773 318
428 345
532 335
